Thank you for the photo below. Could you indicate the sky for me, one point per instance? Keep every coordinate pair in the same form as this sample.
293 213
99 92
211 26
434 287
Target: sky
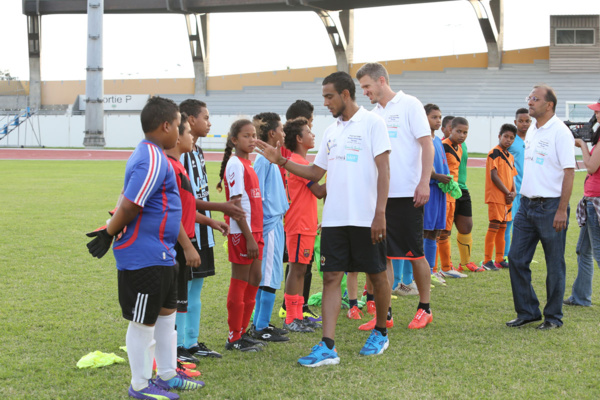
156 46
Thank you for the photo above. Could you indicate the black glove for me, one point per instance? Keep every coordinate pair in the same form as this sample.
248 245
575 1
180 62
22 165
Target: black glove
101 242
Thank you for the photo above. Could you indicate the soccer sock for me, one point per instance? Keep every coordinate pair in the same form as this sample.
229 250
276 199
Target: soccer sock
407 273
180 319
166 346
140 352
465 242
500 242
507 238
437 256
383 330
330 343
287 271
307 282
192 319
425 307
370 297
267 302
430 249
235 308
299 313
398 266
490 238
249 302
291 302
257 304
353 302
444 248
389 314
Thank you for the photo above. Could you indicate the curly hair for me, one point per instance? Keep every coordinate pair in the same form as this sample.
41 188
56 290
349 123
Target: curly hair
293 129
265 123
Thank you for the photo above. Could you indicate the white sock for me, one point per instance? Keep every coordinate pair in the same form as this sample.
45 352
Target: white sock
166 346
140 351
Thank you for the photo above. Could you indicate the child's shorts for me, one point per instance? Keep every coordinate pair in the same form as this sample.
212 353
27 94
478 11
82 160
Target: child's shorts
183 275
434 217
272 257
300 248
143 292
236 247
499 212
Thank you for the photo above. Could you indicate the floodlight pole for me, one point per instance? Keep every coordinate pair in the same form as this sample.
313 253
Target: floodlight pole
94 83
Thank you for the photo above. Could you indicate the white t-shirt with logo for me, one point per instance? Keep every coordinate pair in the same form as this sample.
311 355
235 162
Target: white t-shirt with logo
549 149
348 154
406 122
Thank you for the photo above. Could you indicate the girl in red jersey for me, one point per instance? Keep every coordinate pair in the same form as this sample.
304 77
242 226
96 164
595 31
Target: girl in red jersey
245 242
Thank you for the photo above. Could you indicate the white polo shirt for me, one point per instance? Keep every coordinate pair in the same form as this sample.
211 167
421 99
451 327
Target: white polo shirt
348 152
406 122
549 149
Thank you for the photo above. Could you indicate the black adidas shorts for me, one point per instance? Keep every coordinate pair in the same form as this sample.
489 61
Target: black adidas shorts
143 292
404 229
349 249
183 276
463 205
207 258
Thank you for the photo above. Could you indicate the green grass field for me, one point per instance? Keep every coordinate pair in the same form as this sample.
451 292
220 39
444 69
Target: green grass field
58 303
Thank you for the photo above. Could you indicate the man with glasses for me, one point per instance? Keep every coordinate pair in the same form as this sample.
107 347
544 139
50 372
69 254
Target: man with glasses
543 215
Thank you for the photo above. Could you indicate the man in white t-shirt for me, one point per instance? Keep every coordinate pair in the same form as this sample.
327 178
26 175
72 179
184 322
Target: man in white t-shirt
411 163
355 154
543 215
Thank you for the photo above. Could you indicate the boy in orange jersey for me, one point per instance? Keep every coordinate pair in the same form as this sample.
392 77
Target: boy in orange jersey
452 147
499 195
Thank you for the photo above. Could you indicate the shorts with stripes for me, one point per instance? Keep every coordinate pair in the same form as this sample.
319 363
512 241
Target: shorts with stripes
301 248
272 257
143 292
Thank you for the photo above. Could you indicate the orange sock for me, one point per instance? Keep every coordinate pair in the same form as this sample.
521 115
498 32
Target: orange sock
437 255
490 238
444 250
299 314
291 303
500 242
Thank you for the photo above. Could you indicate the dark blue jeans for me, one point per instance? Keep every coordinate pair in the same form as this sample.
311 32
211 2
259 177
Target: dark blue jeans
532 224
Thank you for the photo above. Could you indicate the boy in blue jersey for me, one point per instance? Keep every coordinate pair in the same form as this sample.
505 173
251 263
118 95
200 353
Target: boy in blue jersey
522 121
149 218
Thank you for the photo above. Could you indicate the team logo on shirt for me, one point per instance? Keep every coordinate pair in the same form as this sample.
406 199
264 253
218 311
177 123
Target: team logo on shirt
231 179
255 192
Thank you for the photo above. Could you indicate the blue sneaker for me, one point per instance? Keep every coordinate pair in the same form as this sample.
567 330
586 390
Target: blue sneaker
152 392
179 381
376 344
320 355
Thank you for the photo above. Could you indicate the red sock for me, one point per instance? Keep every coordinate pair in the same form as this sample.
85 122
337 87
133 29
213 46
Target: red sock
235 308
299 313
291 303
249 302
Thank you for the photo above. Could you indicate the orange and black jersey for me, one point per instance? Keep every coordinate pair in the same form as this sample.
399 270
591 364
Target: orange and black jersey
453 155
503 162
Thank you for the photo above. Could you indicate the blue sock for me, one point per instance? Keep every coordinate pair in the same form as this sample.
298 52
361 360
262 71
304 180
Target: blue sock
407 275
180 319
192 322
430 248
262 318
257 305
507 237
398 270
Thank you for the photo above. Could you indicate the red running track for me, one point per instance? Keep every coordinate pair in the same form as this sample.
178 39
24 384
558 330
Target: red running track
107 155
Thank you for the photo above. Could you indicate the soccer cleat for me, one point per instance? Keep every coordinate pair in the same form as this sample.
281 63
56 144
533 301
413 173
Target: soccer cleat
308 313
371 309
268 335
280 331
375 345
282 313
311 324
297 326
471 266
179 381
421 319
452 273
200 350
185 365
190 373
152 392
183 355
501 264
369 326
489 266
320 355
405 290
437 280
242 346
251 341
459 269
354 313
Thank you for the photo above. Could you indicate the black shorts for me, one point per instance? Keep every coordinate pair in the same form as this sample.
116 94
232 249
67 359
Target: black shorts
404 229
183 275
349 249
143 292
463 205
207 262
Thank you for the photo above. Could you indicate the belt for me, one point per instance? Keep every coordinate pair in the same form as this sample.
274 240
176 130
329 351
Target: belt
541 199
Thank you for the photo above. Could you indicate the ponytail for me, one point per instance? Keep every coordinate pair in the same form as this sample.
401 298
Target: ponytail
226 155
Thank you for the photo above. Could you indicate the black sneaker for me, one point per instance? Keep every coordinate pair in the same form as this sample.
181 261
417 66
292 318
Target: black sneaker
280 331
297 326
200 350
242 346
311 324
183 355
268 335
251 341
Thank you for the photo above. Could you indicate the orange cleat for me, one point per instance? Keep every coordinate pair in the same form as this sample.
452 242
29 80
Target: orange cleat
471 266
354 313
369 326
421 319
371 310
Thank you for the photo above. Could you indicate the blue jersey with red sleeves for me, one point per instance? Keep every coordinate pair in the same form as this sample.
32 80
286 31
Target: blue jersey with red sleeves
151 184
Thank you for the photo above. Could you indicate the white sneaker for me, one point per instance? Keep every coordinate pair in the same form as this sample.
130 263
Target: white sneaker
451 273
405 290
438 279
413 285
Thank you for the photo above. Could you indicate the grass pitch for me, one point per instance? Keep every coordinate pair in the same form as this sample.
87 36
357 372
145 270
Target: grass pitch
59 303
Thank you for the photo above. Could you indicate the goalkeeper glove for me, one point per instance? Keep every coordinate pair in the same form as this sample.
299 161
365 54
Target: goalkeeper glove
101 242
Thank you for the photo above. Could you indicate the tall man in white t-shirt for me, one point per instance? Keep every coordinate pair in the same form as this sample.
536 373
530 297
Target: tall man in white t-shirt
355 153
543 215
411 163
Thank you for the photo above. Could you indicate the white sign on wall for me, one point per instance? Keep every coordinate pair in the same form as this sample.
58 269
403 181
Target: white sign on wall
119 102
